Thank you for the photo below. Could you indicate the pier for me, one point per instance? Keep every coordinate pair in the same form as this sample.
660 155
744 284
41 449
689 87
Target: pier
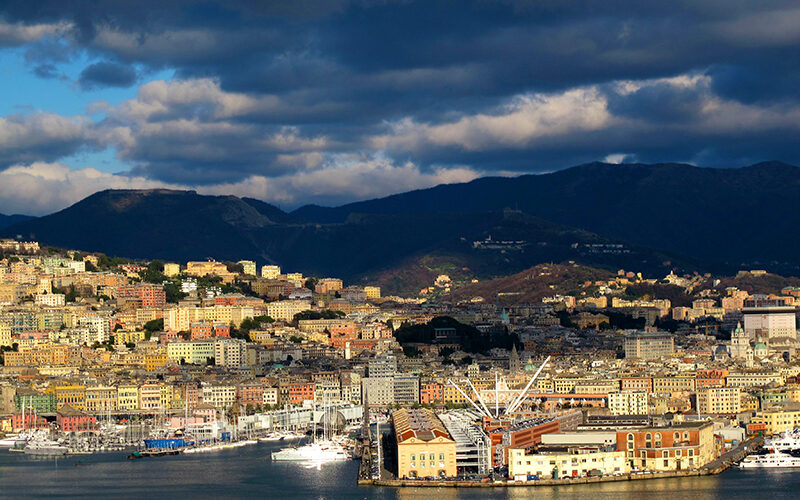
728 459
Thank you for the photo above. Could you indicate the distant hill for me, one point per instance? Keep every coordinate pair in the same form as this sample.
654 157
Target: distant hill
183 225
649 218
531 285
10 220
731 216
158 223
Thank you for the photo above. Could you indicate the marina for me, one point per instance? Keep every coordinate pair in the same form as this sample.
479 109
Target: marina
249 472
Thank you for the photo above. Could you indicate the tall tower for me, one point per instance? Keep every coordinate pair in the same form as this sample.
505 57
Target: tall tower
740 342
513 360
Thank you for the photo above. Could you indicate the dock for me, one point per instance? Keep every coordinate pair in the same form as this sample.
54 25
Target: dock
728 459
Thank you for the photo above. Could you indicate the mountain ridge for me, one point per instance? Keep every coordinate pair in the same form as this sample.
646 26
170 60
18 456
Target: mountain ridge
645 217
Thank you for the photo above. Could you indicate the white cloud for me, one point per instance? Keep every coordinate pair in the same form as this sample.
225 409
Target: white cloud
20 34
42 136
42 188
525 120
346 178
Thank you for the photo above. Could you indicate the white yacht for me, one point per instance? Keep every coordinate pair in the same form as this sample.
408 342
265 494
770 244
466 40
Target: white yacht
770 460
320 451
45 447
329 449
787 441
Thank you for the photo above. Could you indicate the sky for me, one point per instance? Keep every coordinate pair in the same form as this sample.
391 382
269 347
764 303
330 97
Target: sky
332 101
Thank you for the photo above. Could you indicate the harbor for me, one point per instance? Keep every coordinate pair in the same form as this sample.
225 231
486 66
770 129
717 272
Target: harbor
730 459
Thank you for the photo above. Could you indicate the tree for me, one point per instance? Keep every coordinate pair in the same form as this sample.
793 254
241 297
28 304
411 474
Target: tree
311 283
173 292
411 351
154 325
154 272
235 267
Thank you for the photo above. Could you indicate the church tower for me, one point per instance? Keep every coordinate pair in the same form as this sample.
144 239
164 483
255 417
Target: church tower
513 360
740 342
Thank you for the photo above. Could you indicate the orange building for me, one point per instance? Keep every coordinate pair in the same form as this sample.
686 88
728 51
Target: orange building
431 393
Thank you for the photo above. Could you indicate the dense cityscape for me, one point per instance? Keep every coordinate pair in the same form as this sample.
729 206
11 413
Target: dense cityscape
102 353
399 249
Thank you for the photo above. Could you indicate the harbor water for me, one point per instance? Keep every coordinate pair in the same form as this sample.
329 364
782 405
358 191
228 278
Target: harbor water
248 472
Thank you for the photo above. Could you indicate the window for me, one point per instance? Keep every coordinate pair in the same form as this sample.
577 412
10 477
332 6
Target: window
664 454
412 458
630 437
648 436
677 436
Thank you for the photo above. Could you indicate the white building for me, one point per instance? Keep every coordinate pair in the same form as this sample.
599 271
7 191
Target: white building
629 403
270 272
50 299
770 322
98 329
230 353
218 396
284 310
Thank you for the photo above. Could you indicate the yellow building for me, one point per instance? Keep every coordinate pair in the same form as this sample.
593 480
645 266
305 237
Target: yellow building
565 385
749 402
180 319
171 269
128 397
424 447
5 335
597 387
73 395
100 400
193 352
545 385
575 463
451 395
284 310
754 379
153 362
793 393
206 268
126 337
372 292
777 421
674 383
716 400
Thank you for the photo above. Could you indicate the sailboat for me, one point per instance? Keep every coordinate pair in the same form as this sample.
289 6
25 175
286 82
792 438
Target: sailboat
318 451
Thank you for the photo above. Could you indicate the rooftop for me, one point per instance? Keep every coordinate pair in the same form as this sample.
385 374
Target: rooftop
422 424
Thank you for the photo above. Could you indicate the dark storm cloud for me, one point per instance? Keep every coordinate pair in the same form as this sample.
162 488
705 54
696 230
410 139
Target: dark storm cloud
494 85
107 74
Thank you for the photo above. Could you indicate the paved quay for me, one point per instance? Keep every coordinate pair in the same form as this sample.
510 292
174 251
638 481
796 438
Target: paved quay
729 459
